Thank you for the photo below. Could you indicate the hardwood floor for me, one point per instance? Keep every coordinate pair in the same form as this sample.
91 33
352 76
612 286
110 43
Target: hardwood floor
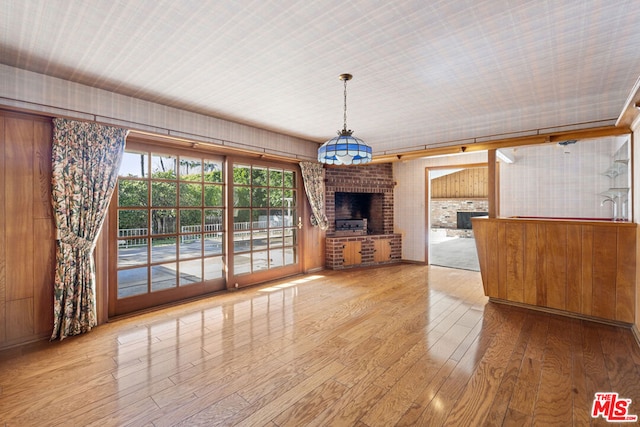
403 345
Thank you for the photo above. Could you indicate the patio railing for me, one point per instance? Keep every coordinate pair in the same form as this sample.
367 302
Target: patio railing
131 237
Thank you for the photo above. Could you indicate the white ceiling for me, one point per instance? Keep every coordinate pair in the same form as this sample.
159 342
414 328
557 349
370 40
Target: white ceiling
425 72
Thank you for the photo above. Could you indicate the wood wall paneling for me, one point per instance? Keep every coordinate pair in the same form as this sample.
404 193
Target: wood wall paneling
18 185
481 240
529 282
492 259
576 267
27 252
541 266
3 240
514 234
101 256
587 270
502 263
44 253
625 277
313 241
42 207
44 256
492 183
604 272
573 268
20 320
556 266
471 183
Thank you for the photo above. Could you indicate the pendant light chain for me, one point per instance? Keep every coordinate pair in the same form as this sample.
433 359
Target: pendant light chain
345 105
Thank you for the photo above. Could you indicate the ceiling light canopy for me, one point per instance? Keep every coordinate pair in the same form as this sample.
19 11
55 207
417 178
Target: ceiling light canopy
344 149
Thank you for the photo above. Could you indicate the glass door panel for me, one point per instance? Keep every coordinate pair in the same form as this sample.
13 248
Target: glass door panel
175 238
264 200
170 228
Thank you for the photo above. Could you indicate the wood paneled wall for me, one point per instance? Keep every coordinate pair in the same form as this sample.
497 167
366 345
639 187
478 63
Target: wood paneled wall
313 241
465 183
587 268
27 245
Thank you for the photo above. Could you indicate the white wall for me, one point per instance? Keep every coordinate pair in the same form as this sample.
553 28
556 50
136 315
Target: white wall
409 199
544 181
636 209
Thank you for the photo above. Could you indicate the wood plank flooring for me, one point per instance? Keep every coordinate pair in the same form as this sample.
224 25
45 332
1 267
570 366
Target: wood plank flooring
403 345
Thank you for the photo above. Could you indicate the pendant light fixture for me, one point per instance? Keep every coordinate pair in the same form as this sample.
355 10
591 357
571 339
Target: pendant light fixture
344 149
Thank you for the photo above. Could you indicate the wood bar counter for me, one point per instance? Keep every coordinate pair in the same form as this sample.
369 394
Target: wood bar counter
585 267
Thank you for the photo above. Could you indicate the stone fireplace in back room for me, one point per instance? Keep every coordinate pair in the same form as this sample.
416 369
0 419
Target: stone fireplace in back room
454 215
353 195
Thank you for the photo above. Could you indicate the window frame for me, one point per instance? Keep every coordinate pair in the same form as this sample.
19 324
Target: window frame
229 280
181 290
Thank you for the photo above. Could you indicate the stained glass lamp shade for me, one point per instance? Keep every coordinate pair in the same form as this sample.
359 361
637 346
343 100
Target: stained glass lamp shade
344 149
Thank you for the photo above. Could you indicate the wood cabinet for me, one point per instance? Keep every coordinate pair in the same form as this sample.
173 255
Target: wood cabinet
352 253
381 251
582 267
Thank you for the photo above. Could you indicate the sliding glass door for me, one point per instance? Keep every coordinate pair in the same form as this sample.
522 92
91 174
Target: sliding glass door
170 219
265 221
173 237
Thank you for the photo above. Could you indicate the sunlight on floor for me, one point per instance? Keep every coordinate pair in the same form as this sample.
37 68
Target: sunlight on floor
290 283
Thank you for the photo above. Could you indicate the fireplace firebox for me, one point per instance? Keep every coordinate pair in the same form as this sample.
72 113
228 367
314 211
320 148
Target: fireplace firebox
362 208
464 219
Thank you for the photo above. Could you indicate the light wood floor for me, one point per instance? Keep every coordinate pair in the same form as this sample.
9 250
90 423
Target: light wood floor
400 345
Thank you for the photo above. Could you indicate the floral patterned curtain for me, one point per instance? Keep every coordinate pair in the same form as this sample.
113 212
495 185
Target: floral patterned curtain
314 187
86 158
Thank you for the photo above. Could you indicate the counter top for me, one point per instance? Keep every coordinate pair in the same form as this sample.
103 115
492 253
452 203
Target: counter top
546 219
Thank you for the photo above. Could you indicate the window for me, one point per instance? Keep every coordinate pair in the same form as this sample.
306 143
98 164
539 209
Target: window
170 224
264 218
180 228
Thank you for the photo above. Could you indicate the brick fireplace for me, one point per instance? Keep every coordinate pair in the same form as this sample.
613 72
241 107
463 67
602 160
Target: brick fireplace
362 192
371 179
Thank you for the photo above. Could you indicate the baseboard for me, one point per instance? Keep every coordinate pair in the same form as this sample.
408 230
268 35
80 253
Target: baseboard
35 340
409 261
565 314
